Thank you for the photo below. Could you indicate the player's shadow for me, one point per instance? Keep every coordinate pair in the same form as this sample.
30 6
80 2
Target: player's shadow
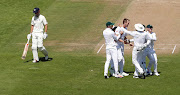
42 59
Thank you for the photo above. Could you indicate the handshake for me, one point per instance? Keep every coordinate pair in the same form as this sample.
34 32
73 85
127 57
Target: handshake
44 35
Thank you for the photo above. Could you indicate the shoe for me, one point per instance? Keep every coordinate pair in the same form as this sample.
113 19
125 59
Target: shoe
157 74
125 74
35 61
106 77
112 75
142 76
135 77
149 72
46 57
118 76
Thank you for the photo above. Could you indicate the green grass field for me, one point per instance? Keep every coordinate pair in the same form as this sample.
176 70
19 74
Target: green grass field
74 69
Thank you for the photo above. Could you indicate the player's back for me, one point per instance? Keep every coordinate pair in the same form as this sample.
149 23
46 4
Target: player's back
140 38
109 40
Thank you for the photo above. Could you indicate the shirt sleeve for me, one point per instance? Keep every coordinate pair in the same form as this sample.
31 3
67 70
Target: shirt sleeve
116 36
127 32
32 21
148 36
44 21
153 37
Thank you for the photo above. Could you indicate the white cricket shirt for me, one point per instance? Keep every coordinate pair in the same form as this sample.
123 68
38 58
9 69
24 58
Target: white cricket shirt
153 38
109 37
38 23
118 30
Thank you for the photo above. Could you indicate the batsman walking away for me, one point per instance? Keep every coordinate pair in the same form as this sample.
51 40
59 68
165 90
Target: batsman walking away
38 33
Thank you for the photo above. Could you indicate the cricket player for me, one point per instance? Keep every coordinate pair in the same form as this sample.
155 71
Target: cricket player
37 32
150 52
111 49
139 37
120 48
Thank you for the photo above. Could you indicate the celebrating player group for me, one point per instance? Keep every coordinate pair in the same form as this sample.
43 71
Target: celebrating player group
143 38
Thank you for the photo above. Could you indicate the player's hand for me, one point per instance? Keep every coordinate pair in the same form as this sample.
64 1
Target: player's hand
45 35
121 32
126 41
29 36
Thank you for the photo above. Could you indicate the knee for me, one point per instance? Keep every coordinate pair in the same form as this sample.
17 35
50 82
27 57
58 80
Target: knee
41 48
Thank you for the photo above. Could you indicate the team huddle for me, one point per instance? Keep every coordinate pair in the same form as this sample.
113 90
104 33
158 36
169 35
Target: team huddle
115 38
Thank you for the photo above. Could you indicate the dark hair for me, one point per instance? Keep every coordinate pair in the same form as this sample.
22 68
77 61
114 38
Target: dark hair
125 20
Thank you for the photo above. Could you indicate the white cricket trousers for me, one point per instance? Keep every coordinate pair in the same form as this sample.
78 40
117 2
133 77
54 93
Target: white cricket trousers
151 54
111 54
37 44
121 61
137 61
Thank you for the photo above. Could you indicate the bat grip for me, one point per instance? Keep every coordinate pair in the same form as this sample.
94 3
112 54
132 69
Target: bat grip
28 40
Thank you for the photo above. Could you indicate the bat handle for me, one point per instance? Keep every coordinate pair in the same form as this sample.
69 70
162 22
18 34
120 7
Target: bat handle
28 40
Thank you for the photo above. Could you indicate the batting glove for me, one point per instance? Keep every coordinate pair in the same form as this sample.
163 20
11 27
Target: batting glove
29 36
45 35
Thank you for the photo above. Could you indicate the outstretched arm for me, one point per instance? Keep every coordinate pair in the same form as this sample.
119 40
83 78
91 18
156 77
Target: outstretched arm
126 31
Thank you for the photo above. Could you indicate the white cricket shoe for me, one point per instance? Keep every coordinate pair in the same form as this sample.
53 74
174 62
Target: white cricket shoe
136 77
125 74
149 72
157 74
118 76
46 57
106 77
35 61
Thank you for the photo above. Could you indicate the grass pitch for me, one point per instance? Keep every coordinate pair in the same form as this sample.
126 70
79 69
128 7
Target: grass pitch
75 27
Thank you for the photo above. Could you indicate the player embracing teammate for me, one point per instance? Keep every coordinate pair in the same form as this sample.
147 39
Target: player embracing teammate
142 40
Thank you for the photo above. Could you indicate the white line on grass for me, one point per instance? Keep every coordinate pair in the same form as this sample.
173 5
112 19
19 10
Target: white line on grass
100 48
174 49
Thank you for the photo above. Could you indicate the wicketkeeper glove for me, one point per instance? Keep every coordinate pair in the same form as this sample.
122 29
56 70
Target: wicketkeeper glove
45 35
29 36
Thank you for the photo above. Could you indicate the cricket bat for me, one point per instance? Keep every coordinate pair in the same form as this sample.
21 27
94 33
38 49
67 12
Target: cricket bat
25 50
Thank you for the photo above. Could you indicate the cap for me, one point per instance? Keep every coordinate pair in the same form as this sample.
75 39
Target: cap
35 10
149 26
109 23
